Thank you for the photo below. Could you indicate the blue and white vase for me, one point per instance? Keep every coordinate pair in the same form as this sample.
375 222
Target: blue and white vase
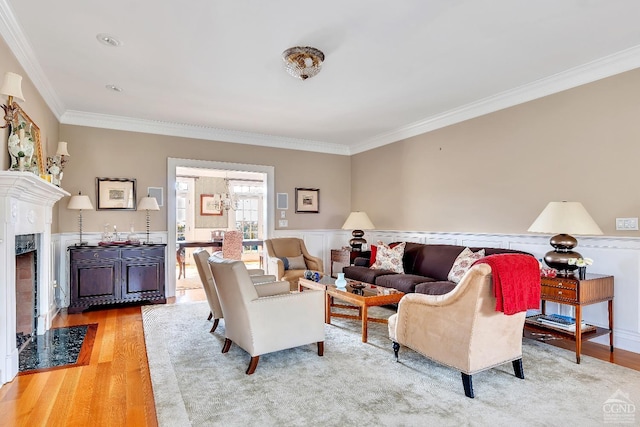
341 282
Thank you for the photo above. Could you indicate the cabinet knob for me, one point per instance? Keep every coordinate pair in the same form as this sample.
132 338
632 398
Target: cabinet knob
559 292
96 255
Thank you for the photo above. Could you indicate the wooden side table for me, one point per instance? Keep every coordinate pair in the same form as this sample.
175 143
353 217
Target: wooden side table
344 257
576 292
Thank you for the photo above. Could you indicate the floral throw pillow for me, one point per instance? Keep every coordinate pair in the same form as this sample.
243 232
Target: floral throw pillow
463 262
389 258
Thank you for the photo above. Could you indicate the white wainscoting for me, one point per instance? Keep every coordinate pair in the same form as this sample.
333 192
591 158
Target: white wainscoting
617 256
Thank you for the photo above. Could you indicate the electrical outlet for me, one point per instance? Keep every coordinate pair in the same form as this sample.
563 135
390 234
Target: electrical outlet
283 214
283 223
626 223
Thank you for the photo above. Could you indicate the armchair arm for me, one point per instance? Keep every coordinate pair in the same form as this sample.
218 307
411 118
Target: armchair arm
267 289
263 278
313 263
275 266
255 271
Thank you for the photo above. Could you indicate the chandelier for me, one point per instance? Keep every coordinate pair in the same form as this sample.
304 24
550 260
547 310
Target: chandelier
229 201
303 62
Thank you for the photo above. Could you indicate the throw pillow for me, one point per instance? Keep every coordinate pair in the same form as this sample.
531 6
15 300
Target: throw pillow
389 258
374 251
297 263
285 262
463 263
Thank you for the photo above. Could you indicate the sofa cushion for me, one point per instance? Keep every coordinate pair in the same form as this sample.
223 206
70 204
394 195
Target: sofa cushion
463 262
388 258
403 282
364 274
435 288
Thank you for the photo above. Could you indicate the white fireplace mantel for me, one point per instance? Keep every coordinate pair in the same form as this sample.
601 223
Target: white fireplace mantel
26 207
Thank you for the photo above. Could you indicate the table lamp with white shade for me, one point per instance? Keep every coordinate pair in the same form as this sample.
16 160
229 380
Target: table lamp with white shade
563 219
80 202
148 204
357 221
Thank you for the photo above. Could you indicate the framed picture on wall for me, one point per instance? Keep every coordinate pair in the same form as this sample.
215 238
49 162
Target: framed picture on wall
307 200
210 204
116 194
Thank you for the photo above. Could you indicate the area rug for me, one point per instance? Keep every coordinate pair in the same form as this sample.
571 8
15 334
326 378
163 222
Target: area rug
354 383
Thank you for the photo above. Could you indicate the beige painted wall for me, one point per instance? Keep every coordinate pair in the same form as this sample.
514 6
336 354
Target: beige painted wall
497 172
120 154
35 107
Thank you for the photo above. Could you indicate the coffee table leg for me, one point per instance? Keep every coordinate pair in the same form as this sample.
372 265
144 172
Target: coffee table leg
327 309
365 316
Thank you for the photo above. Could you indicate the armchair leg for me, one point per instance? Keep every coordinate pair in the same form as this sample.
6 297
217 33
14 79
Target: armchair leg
396 348
210 315
227 345
215 325
468 385
253 364
517 368
320 348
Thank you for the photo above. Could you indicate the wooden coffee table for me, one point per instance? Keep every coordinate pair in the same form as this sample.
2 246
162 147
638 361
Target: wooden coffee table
369 296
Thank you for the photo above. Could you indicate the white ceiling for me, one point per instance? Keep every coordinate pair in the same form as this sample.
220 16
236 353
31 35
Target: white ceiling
212 69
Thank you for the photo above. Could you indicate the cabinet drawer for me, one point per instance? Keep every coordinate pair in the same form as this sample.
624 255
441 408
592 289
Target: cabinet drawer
142 252
565 283
553 293
77 255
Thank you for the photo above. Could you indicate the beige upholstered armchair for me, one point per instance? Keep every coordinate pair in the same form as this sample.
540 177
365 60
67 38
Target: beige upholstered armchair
261 325
265 285
461 329
293 251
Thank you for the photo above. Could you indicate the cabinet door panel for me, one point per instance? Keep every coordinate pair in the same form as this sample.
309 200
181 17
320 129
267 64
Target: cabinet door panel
97 280
142 276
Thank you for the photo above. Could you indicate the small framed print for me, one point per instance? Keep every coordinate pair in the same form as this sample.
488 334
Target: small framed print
211 204
307 200
116 194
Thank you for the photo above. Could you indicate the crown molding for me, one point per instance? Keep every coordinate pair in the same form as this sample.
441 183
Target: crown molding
105 121
17 42
616 63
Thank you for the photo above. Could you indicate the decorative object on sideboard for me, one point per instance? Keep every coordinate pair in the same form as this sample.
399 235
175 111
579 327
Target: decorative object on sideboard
303 62
582 264
148 204
12 89
358 221
562 219
55 164
116 194
80 203
307 200
341 282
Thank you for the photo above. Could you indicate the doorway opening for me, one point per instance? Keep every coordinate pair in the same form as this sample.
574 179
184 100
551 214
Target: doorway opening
207 198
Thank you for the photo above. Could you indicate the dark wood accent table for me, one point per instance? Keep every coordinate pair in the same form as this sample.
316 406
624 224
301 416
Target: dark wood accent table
216 243
576 292
345 257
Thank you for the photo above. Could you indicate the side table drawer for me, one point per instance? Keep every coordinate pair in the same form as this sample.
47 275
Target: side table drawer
564 295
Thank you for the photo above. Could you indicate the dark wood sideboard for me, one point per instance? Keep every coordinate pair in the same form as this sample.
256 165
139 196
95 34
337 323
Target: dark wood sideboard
104 275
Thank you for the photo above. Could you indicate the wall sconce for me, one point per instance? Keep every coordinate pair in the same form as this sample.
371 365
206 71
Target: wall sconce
148 204
12 88
55 164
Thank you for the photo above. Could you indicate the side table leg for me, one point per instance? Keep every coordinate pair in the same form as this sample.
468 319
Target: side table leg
327 308
611 325
578 332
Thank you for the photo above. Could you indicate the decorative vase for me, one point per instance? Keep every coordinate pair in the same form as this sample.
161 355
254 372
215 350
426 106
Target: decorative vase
341 282
582 273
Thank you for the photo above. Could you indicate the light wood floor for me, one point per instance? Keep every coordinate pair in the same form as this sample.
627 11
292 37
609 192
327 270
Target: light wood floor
114 389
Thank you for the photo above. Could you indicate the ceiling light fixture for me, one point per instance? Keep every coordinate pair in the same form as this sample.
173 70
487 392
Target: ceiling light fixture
108 40
303 62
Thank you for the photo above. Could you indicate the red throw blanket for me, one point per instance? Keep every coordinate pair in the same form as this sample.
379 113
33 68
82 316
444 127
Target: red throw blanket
516 281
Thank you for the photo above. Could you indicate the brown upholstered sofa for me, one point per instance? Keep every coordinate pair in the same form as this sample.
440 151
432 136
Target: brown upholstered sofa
426 268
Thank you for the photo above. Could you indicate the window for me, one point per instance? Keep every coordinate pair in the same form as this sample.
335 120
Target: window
249 197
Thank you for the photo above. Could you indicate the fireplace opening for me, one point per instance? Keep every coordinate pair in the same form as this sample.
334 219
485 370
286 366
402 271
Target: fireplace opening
26 289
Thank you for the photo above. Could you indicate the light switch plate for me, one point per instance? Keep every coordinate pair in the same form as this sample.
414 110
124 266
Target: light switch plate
283 223
626 223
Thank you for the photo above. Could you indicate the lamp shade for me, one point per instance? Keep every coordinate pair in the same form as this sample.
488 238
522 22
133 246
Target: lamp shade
12 85
358 221
565 217
62 149
79 202
148 204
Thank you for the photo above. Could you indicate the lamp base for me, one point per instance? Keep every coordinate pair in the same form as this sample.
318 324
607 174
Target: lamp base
562 253
357 241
